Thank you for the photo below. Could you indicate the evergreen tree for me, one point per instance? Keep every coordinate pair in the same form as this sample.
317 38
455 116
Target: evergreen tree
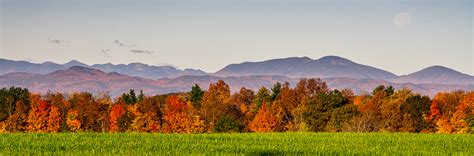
196 96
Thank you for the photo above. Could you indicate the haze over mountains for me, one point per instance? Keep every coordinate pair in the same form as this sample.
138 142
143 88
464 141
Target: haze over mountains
339 73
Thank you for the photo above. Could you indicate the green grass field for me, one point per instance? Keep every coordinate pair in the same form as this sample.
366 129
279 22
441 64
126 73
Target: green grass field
246 143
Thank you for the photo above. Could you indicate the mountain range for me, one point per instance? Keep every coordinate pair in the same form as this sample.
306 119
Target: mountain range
132 69
339 73
297 67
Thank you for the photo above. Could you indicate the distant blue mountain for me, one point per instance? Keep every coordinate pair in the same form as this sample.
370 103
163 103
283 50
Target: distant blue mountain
295 67
9 66
292 67
133 69
436 75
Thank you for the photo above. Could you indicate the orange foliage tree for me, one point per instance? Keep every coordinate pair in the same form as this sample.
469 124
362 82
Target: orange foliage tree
147 115
442 113
214 101
38 116
73 122
146 122
178 117
54 119
463 118
17 122
117 112
243 100
264 121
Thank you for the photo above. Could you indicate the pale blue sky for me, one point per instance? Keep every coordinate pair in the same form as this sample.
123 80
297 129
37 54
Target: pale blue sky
211 34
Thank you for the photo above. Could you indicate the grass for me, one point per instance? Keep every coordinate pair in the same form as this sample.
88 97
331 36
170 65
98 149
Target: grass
245 143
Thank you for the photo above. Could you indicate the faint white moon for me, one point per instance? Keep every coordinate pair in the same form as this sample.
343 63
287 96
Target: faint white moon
402 19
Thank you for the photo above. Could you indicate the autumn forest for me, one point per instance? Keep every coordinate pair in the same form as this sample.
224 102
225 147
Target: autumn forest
308 106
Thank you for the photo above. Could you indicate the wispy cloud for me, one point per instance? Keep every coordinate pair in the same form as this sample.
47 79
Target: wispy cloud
130 47
105 52
141 51
121 44
57 41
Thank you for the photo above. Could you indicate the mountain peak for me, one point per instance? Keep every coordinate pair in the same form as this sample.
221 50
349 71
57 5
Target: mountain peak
48 63
439 69
332 57
436 74
137 64
81 69
335 60
304 58
74 63
282 60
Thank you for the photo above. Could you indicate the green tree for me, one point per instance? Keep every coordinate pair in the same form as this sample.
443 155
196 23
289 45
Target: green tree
9 98
392 118
275 91
417 108
228 124
242 100
384 91
263 94
320 110
140 96
196 94
130 98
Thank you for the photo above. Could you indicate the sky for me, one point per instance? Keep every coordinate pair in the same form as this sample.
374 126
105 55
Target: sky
401 37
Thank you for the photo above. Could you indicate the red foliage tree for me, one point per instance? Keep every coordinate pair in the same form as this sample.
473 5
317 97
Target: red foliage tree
38 116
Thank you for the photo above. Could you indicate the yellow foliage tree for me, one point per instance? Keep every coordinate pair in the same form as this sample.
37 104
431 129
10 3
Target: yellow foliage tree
73 122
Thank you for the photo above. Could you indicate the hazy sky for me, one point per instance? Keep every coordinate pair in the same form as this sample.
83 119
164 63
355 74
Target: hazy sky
401 37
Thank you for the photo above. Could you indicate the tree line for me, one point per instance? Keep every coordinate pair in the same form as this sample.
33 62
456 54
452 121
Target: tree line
309 106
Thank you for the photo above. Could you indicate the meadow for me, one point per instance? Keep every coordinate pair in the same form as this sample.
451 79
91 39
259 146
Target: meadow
236 143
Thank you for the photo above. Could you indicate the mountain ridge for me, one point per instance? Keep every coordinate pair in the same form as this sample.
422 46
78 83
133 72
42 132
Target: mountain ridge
328 66
79 78
436 74
133 69
293 67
